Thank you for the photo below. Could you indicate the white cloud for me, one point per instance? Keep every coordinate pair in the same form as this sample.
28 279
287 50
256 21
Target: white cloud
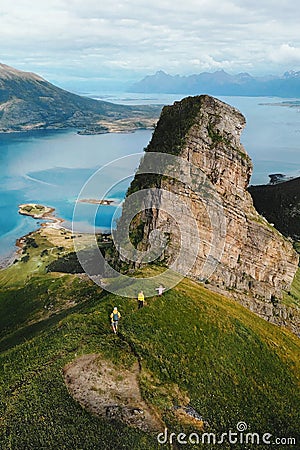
131 38
286 54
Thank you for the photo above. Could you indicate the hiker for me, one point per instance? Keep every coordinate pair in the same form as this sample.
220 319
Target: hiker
115 316
141 299
160 290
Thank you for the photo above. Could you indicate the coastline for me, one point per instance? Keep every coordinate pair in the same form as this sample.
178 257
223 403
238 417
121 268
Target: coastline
105 126
53 230
46 213
54 223
7 260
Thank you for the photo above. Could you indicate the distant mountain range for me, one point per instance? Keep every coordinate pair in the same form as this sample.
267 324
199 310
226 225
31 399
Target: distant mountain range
28 101
221 83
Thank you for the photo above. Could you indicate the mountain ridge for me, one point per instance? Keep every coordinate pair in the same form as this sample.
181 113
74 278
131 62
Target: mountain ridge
28 102
7 72
221 83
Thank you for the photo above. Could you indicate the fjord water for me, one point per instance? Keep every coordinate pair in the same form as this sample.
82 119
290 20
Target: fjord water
271 136
51 167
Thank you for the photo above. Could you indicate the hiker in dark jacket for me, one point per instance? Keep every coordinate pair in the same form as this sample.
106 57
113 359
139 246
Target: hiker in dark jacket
141 299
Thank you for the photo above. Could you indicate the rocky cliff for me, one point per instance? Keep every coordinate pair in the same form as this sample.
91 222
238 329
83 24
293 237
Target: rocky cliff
280 204
247 255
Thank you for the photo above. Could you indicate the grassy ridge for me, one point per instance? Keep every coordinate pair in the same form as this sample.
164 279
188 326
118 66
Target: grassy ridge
192 344
233 365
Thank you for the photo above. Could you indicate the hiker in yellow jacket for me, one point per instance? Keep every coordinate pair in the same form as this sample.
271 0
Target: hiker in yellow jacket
115 316
141 299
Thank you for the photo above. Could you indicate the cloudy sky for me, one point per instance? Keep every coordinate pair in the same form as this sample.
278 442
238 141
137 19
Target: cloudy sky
72 40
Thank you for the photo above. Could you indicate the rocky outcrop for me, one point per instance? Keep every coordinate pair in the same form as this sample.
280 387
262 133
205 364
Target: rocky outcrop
246 255
280 204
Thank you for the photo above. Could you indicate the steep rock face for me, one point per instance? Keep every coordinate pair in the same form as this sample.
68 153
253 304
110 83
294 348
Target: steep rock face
280 204
256 261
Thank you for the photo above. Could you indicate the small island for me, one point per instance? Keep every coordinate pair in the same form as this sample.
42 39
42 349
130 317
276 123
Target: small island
37 211
95 201
288 103
97 129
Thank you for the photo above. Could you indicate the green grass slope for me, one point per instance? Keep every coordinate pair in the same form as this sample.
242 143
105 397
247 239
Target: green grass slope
192 344
292 298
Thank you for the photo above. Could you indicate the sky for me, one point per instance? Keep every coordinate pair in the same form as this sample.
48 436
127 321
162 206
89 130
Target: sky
115 43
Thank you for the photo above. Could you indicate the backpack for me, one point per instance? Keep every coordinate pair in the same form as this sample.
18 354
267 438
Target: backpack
115 317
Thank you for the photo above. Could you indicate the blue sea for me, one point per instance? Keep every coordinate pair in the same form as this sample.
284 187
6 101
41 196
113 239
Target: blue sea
52 167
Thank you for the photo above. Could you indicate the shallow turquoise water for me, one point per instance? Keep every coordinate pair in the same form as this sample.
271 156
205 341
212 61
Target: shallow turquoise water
52 167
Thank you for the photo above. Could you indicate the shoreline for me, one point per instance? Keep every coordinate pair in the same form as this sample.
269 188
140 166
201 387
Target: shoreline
8 260
105 126
54 222
47 213
51 222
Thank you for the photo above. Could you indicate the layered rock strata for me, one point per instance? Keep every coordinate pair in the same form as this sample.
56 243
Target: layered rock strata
247 255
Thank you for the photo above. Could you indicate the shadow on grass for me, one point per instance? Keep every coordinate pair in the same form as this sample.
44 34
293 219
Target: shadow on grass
28 332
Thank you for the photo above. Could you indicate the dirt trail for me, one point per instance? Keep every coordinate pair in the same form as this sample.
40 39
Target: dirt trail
106 391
